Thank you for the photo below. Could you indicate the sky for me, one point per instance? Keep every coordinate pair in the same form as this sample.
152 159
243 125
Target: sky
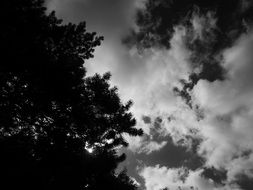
198 132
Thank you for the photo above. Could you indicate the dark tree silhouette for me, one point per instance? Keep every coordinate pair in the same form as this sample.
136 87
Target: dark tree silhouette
50 113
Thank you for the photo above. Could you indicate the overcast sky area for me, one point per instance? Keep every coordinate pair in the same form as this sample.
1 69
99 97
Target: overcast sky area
203 143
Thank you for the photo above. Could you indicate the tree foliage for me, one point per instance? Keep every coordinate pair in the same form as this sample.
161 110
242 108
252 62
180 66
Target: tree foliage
50 112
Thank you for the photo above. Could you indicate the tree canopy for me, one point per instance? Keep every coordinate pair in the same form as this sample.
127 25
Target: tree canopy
51 114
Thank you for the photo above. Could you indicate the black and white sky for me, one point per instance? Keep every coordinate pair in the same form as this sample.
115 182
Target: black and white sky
198 132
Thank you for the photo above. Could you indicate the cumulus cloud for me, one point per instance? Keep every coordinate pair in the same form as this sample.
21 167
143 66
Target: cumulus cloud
221 118
227 127
159 177
151 84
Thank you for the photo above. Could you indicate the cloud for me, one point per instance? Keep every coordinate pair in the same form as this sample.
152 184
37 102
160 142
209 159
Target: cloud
159 177
152 146
151 81
228 125
221 116
225 128
144 144
135 182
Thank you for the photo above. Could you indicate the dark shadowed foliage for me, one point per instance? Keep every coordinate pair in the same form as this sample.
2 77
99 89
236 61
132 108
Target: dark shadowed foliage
50 113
